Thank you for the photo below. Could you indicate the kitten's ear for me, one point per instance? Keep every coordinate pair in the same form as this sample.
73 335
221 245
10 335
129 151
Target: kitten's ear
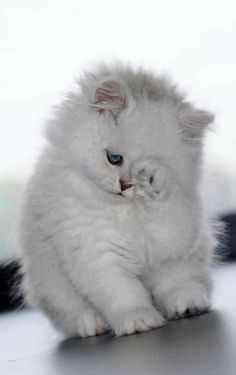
109 96
193 122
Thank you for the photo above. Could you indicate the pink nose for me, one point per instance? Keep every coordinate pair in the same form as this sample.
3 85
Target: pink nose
124 185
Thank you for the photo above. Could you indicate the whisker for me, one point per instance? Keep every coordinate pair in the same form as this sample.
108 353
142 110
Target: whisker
104 106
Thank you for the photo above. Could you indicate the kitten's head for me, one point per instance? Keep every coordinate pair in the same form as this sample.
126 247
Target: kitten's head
131 134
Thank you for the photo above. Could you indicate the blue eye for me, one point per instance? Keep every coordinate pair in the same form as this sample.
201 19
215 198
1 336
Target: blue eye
114 159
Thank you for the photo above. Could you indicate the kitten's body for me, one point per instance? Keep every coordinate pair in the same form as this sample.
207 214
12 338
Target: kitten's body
97 256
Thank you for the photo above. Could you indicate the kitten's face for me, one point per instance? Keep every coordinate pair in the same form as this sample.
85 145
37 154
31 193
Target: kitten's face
133 147
129 156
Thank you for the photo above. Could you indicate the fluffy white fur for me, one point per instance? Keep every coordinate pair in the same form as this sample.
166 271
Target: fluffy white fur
98 258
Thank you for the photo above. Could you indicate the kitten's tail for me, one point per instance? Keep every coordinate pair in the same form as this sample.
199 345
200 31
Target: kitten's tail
228 244
11 296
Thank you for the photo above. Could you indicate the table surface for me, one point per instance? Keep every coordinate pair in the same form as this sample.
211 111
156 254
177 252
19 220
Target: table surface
203 345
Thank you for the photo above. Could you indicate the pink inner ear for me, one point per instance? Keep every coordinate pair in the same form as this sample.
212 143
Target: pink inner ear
104 98
198 117
109 96
188 119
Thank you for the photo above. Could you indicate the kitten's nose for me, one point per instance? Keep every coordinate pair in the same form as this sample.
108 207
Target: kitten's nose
124 185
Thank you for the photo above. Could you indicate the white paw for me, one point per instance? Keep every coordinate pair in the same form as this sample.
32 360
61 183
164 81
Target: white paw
90 323
183 305
138 320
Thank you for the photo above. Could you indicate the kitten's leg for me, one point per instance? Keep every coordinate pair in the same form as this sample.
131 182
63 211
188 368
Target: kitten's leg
55 296
182 289
78 317
119 294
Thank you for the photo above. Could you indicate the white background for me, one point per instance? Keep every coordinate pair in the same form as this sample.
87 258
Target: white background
45 44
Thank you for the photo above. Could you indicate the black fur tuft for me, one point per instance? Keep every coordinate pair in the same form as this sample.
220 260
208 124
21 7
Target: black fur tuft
10 291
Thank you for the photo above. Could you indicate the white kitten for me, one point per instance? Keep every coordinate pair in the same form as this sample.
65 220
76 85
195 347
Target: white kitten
113 232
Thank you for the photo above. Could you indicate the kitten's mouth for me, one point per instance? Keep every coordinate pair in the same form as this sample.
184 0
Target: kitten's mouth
126 189
123 194
129 192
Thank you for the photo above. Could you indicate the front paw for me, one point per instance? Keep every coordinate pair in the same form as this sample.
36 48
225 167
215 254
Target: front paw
91 324
137 320
186 304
